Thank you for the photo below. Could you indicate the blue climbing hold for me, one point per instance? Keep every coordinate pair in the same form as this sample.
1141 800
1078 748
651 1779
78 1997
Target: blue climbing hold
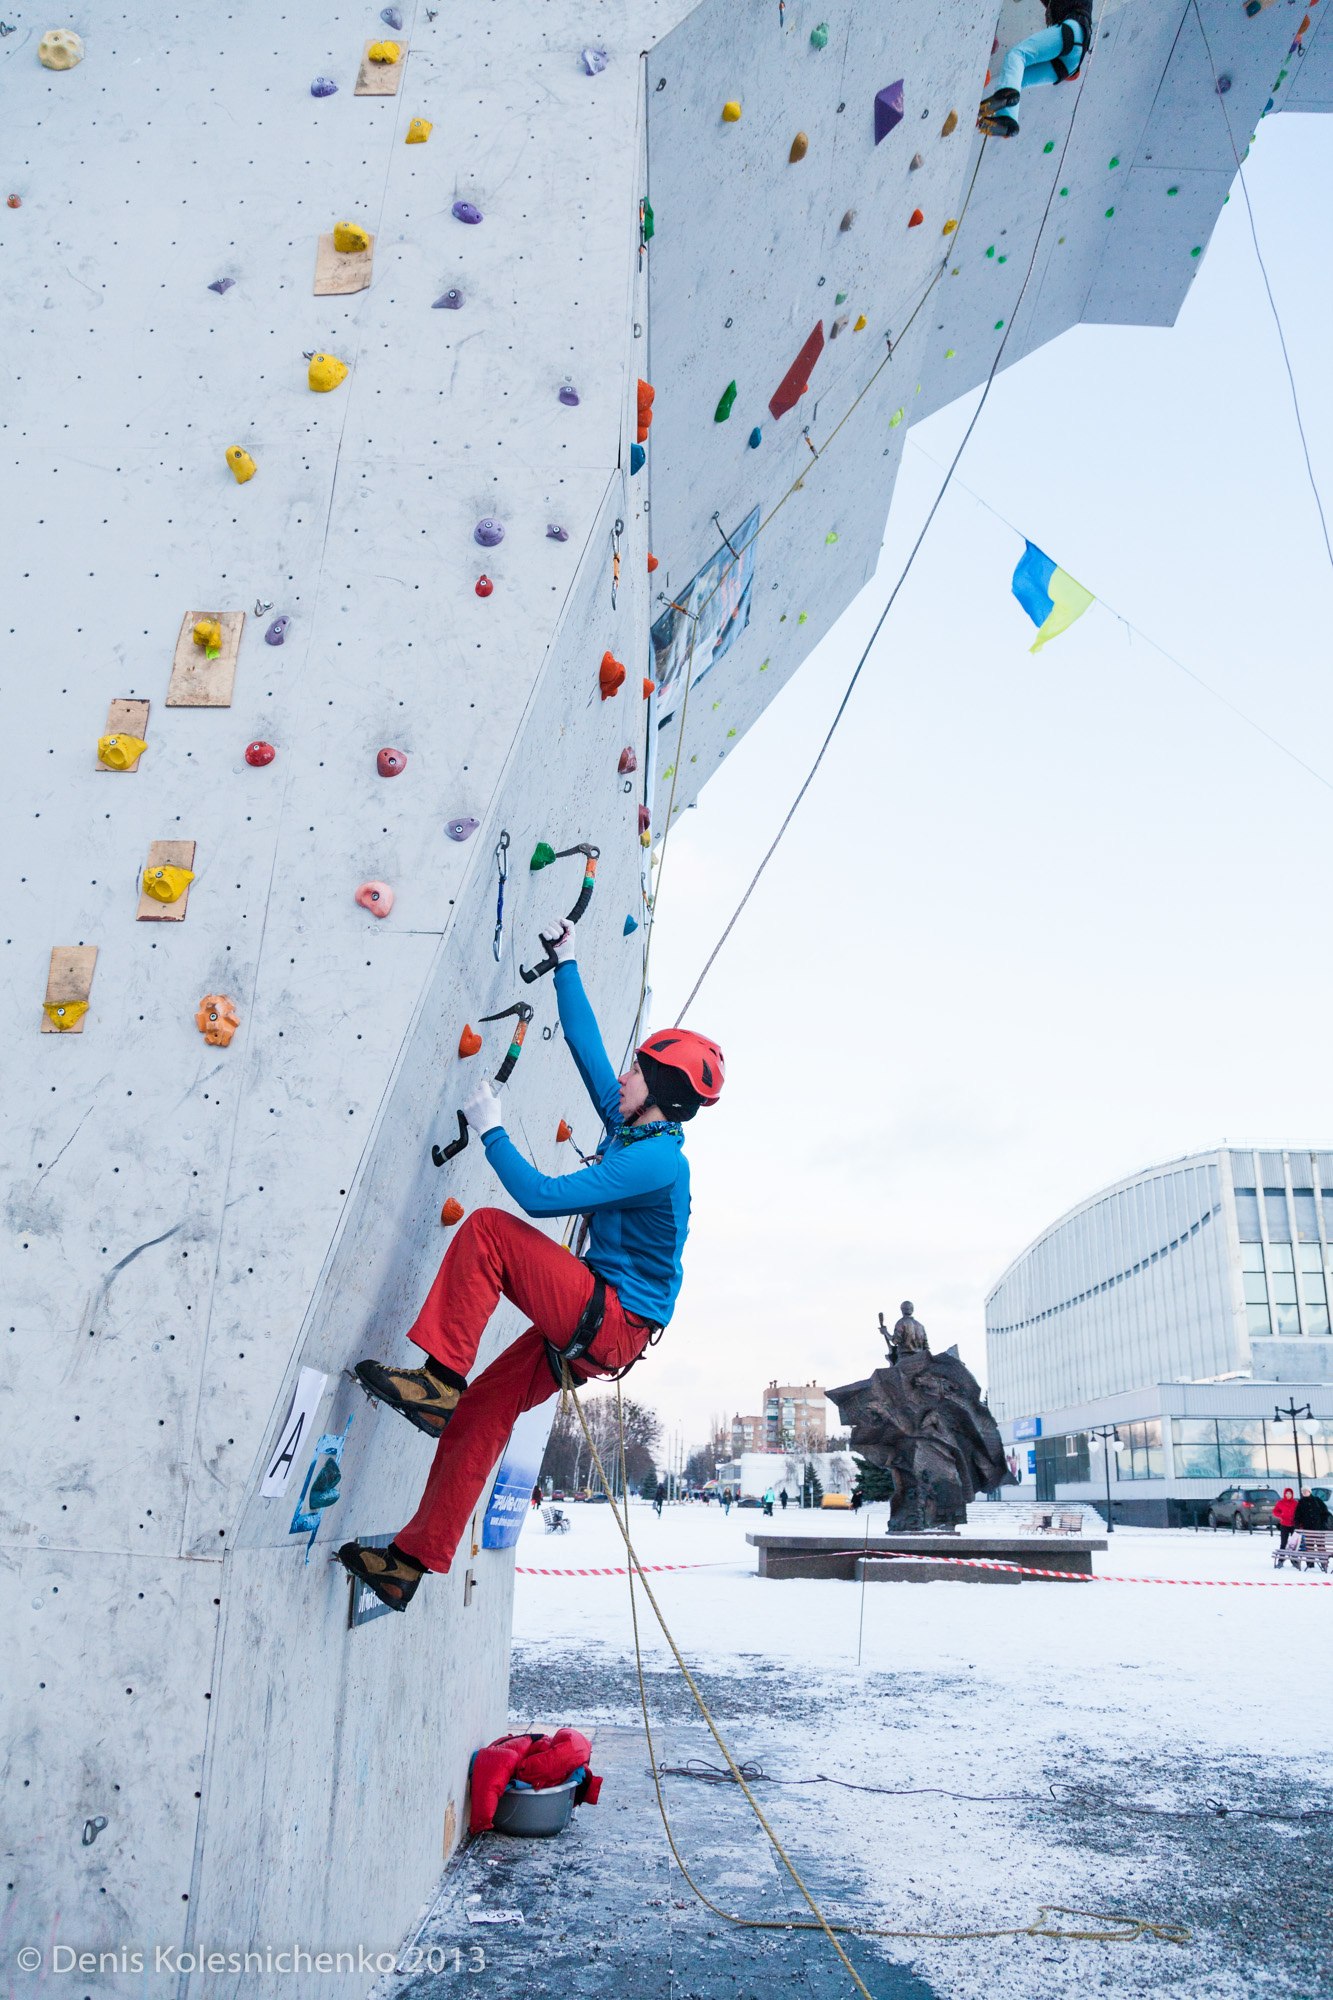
637 458
488 533
594 60
221 285
323 86
630 927
755 439
461 829
466 211
555 533
449 301
569 395
392 17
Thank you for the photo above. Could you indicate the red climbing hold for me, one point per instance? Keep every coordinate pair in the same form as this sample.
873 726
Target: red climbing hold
469 1041
646 392
14 201
628 761
610 675
645 819
563 1133
390 762
915 219
484 586
452 1212
652 562
797 378
259 754
649 689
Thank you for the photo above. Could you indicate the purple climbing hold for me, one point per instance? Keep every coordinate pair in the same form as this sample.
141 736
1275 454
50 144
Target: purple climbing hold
466 211
461 829
594 60
221 285
323 86
392 17
888 109
277 632
488 532
555 534
569 395
1223 84
449 301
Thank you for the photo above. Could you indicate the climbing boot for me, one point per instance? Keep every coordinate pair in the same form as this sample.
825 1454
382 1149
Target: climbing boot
427 1396
998 125
999 100
392 1575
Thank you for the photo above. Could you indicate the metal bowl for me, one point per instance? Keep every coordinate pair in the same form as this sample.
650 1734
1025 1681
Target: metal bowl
536 1814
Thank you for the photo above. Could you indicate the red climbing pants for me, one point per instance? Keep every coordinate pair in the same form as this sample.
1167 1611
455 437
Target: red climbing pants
495 1255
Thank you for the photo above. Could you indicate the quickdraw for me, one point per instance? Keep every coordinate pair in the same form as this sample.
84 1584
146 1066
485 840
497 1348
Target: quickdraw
530 973
502 1075
502 870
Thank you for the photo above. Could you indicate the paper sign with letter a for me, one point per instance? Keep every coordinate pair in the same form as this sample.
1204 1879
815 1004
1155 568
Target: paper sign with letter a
292 1442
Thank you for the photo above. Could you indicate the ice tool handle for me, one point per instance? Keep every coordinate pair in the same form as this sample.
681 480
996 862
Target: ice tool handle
502 1075
531 973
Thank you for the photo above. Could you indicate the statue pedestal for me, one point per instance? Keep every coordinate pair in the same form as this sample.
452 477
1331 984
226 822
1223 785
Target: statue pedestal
890 1569
841 1555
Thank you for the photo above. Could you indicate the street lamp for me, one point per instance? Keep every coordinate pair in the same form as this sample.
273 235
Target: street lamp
1292 1412
1110 1438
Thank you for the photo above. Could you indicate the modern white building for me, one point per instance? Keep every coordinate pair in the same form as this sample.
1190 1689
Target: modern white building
1182 1306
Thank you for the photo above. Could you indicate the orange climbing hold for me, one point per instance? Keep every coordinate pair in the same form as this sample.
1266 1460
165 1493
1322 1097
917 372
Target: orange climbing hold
649 688
563 1133
646 392
469 1041
652 562
610 675
452 1212
217 1019
915 219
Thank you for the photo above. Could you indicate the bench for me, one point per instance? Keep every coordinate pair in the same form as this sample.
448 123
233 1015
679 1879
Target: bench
556 1519
1308 1548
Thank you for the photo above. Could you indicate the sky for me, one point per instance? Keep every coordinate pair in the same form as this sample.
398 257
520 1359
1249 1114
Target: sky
1041 921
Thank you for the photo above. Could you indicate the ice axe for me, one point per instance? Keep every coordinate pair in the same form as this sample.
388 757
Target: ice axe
530 973
502 1075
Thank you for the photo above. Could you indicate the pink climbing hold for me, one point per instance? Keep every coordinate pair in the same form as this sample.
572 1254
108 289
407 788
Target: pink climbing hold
390 762
888 109
377 897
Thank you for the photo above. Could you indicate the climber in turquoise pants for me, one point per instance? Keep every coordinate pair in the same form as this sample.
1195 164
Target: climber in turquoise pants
1053 55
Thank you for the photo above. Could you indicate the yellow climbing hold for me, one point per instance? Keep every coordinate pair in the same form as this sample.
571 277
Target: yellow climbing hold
950 226
241 463
800 146
166 884
207 636
350 236
731 112
120 753
59 48
63 1014
326 372
418 132
950 125
861 324
384 52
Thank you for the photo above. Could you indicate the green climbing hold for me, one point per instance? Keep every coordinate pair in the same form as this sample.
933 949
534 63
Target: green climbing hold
1173 190
949 353
1064 191
648 223
991 250
1197 251
839 298
1109 213
801 620
723 410
543 854
763 666
1049 147
896 419
998 324
819 36
1114 160
730 734
831 536
1002 260
670 771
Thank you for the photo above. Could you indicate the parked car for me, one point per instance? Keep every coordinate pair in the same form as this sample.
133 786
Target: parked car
1247 1507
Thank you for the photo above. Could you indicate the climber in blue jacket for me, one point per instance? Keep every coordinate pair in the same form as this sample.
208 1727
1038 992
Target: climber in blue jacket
595 1314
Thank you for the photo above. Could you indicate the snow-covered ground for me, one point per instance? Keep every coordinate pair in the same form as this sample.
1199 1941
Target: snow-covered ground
1130 1693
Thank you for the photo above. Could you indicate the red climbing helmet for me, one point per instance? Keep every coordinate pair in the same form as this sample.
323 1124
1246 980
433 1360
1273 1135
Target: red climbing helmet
695 1056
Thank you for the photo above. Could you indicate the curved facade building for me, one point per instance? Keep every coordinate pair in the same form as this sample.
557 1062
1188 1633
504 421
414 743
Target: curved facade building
1170 1305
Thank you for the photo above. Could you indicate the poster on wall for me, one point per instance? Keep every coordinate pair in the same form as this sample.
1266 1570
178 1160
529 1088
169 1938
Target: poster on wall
511 1495
715 605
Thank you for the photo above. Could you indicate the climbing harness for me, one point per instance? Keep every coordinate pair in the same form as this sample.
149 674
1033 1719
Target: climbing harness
531 973
588 1327
502 871
502 1075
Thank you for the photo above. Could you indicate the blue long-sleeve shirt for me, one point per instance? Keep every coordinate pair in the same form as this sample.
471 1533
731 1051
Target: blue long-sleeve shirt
637 1197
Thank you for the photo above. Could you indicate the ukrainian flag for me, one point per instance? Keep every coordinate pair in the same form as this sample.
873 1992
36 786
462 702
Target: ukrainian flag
1048 594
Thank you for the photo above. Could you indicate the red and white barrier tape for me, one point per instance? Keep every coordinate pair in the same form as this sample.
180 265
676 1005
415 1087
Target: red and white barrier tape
1083 1576
520 1571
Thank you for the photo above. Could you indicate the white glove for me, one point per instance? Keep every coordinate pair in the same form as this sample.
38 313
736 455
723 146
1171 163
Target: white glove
562 938
482 1108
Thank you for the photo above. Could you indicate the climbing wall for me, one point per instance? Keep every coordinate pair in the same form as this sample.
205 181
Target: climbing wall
298 720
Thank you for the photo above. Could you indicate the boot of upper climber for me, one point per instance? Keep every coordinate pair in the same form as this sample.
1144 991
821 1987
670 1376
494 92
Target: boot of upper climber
998 125
999 100
391 1574
427 1396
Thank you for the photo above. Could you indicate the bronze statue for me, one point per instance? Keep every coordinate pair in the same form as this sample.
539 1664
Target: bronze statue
922 1420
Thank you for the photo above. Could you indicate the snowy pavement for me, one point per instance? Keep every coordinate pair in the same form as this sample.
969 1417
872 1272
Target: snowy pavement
1120 1695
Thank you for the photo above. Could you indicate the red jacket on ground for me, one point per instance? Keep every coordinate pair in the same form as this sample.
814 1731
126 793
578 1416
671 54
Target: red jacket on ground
538 1761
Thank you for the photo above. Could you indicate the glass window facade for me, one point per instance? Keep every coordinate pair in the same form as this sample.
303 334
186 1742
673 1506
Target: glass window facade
1141 1455
1250 1448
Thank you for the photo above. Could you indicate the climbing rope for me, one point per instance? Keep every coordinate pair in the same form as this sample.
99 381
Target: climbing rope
1116 1928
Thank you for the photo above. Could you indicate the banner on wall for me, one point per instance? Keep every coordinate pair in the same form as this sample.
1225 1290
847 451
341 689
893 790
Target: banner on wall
511 1495
715 605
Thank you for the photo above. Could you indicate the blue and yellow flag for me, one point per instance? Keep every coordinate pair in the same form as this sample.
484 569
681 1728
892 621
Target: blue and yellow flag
1048 594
